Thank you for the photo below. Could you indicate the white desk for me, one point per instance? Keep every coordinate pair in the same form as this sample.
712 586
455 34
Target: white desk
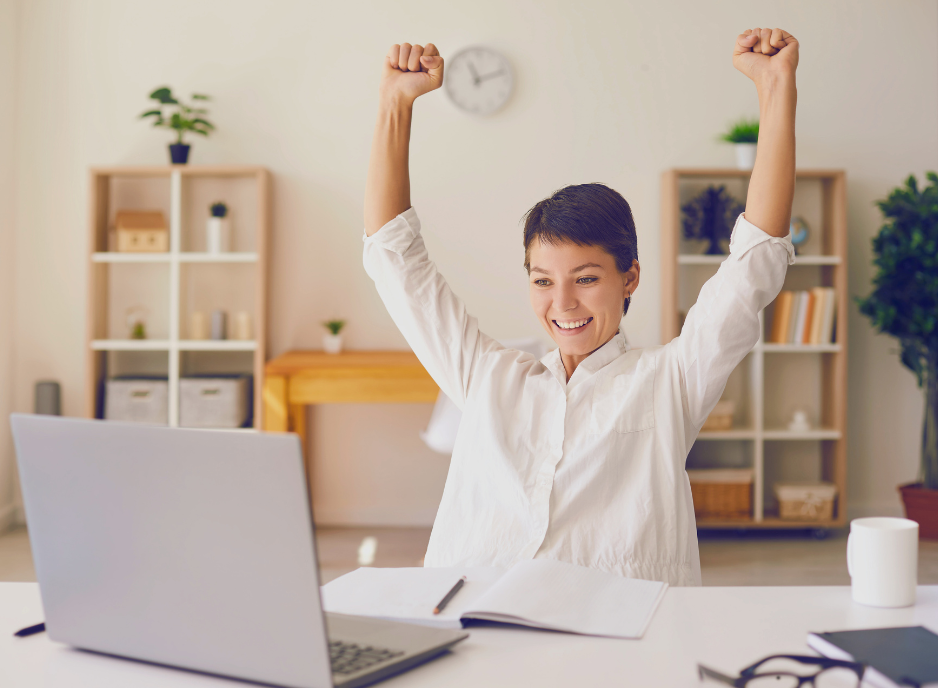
726 628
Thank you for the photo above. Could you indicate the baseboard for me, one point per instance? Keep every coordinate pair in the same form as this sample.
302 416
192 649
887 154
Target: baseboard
865 510
375 516
7 517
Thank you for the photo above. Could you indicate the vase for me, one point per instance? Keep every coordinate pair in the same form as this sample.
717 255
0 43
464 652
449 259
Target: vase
745 155
217 235
921 506
179 153
332 343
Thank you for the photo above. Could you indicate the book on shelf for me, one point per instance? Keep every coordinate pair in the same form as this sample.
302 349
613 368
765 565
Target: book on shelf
804 317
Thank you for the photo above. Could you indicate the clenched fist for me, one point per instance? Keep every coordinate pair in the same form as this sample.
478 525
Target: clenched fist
765 53
410 71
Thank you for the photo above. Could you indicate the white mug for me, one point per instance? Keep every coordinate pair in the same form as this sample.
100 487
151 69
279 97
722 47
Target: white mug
882 558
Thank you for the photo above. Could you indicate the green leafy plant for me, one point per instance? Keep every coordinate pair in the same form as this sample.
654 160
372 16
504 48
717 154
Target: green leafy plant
181 119
334 326
743 131
218 209
904 301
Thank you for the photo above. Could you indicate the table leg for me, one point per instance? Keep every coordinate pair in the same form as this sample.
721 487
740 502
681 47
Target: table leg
298 425
275 403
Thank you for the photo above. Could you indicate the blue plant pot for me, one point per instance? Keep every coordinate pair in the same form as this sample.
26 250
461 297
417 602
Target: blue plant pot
179 153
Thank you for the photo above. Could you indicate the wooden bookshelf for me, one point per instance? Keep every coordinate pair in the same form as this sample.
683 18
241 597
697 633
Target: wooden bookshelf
184 279
773 379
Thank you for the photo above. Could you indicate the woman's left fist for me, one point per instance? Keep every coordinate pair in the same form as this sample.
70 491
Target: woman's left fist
762 53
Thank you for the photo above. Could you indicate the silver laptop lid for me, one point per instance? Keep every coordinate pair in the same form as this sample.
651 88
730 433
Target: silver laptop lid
192 548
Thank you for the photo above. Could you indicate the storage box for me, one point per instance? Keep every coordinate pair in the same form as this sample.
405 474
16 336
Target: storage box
141 231
805 501
213 402
137 401
721 417
722 493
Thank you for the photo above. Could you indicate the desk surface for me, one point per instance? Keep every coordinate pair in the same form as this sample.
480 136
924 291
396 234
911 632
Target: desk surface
726 628
308 361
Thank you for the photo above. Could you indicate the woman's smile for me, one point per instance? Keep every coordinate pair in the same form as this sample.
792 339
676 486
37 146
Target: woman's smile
570 327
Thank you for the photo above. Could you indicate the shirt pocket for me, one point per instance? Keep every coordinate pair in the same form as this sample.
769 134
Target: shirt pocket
625 402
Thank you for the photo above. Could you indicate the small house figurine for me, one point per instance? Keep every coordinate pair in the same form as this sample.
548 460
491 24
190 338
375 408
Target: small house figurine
141 231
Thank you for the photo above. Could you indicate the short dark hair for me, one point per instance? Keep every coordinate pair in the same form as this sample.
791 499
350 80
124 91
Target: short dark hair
586 215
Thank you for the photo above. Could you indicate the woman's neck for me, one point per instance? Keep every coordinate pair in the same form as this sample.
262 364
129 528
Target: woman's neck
571 361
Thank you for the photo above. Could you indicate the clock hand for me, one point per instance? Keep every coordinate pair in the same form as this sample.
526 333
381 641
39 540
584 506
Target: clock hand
475 75
491 75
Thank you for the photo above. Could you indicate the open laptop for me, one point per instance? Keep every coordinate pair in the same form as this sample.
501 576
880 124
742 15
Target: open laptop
193 549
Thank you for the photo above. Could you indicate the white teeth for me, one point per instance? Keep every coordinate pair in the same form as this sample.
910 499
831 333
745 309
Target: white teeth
572 325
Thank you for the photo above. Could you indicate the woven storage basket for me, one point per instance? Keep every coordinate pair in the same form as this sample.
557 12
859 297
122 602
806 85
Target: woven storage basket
805 502
722 493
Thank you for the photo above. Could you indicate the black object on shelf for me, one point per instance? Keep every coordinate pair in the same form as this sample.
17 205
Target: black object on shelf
48 400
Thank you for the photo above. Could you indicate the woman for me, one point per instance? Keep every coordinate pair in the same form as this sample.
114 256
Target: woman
579 456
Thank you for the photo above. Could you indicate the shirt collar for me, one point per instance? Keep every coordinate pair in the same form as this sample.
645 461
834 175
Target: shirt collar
597 360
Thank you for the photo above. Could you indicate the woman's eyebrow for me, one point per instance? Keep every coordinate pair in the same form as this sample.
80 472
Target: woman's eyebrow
534 268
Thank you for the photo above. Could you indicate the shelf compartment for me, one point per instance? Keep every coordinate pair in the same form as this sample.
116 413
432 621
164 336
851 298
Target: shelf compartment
240 257
239 193
216 345
789 435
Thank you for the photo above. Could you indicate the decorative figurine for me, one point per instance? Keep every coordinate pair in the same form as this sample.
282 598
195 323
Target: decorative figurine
711 216
799 232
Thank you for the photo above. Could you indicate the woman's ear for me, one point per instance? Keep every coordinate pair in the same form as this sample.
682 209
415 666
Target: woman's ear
630 278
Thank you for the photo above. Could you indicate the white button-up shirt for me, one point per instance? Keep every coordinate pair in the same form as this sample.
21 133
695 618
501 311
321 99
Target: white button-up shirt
590 470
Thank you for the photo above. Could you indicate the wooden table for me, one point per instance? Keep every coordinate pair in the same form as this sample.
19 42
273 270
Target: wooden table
299 378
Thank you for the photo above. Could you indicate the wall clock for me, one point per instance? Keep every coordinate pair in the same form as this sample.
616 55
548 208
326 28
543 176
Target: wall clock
478 80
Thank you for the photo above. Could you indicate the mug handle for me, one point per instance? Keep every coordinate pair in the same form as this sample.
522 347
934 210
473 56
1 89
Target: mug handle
849 552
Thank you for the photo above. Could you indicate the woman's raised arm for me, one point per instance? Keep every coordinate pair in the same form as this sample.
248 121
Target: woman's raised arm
408 72
770 57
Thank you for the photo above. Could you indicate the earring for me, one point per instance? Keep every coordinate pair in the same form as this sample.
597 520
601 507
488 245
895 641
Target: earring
628 299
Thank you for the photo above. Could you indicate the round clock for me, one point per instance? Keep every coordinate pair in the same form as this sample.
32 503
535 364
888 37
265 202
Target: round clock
478 80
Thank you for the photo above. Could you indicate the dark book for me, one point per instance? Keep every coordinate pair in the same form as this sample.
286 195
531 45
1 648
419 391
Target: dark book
906 656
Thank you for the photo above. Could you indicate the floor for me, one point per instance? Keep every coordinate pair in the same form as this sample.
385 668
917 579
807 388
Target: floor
726 558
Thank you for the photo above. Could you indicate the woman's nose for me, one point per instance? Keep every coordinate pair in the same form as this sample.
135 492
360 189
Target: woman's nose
564 299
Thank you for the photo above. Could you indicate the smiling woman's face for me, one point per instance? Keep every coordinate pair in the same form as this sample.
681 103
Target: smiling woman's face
577 293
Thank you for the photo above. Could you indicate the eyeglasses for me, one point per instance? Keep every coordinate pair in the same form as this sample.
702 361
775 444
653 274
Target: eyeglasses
792 671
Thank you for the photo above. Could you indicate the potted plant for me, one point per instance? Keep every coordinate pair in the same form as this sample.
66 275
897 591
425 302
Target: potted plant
744 135
181 119
710 216
217 231
332 342
904 304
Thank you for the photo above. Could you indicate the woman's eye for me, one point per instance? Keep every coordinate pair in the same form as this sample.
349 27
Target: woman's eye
586 280
541 282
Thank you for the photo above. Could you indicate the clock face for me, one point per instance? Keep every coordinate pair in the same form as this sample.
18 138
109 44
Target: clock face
478 80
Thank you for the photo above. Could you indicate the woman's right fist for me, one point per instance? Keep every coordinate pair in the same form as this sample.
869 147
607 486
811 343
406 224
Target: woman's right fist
410 71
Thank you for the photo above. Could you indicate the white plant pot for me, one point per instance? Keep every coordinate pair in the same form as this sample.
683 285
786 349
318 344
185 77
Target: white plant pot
745 155
218 235
332 343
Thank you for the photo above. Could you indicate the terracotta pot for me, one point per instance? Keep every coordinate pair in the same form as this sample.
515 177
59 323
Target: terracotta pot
921 506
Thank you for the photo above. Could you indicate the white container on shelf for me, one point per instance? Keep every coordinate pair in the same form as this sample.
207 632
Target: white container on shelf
332 343
745 155
198 325
243 327
137 401
218 235
210 402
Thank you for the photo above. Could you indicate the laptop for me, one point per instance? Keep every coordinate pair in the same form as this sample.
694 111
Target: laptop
193 549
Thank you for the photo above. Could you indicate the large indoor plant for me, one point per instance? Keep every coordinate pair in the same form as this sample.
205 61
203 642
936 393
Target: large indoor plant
181 118
904 304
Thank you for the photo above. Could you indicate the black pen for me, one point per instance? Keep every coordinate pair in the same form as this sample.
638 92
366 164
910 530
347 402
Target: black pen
445 601
30 630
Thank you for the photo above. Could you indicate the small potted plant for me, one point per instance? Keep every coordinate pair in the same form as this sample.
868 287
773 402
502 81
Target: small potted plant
332 341
744 135
181 118
904 304
217 230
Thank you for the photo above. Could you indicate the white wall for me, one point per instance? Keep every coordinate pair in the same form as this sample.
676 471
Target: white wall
7 128
606 91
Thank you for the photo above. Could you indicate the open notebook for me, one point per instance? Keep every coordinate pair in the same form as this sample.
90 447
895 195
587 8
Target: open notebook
539 593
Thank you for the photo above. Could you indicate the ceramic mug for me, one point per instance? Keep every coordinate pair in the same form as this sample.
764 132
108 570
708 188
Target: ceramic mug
882 558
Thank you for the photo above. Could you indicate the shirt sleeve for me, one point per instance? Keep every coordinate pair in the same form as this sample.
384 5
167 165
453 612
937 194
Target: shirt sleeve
431 317
723 325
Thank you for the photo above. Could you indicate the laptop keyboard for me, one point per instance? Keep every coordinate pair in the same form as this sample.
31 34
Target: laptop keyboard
348 658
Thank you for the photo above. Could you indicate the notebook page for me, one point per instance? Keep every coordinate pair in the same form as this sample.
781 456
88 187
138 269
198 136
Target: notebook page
564 597
407 594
